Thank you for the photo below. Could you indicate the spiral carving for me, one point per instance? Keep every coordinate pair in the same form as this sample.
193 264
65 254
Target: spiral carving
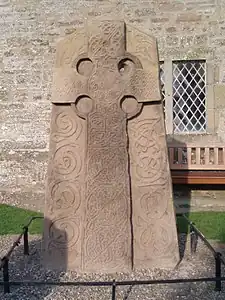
65 195
66 126
67 160
63 233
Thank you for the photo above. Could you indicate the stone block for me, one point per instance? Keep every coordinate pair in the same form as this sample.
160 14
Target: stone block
109 201
219 94
189 17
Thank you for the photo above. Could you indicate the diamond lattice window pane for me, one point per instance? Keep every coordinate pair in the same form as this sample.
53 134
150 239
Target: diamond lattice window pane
189 105
162 80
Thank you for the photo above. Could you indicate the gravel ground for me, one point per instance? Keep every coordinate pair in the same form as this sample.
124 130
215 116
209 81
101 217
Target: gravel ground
29 268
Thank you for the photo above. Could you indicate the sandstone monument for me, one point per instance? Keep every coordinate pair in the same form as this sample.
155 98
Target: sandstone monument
109 186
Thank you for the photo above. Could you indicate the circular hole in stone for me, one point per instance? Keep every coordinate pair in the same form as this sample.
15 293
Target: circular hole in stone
84 66
129 104
125 66
84 105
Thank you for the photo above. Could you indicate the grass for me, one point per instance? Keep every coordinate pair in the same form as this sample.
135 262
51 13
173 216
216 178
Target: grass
211 224
12 220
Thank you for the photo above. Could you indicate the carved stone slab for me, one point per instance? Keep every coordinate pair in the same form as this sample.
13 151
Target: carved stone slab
154 225
64 211
154 228
108 196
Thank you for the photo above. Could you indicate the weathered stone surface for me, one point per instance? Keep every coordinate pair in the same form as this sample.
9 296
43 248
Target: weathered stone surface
221 124
155 236
154 229
189 17
104 81
219 92
64 210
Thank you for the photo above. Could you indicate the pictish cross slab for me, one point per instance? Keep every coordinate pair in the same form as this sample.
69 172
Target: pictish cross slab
106 74
112 80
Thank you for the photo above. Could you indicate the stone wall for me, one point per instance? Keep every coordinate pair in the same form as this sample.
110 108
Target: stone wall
29 31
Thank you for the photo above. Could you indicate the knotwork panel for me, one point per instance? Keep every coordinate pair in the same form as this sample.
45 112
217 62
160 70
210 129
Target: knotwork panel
154 227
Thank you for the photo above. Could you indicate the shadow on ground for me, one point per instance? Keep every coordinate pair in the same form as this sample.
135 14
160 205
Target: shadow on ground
32 267
181 193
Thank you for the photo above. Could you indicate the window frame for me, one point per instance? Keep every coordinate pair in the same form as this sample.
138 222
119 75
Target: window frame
209 97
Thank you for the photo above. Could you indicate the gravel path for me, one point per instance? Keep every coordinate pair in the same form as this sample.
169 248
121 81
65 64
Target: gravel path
29 268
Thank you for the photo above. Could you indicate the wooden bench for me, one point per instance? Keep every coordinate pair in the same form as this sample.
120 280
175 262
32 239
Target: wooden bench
197 164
